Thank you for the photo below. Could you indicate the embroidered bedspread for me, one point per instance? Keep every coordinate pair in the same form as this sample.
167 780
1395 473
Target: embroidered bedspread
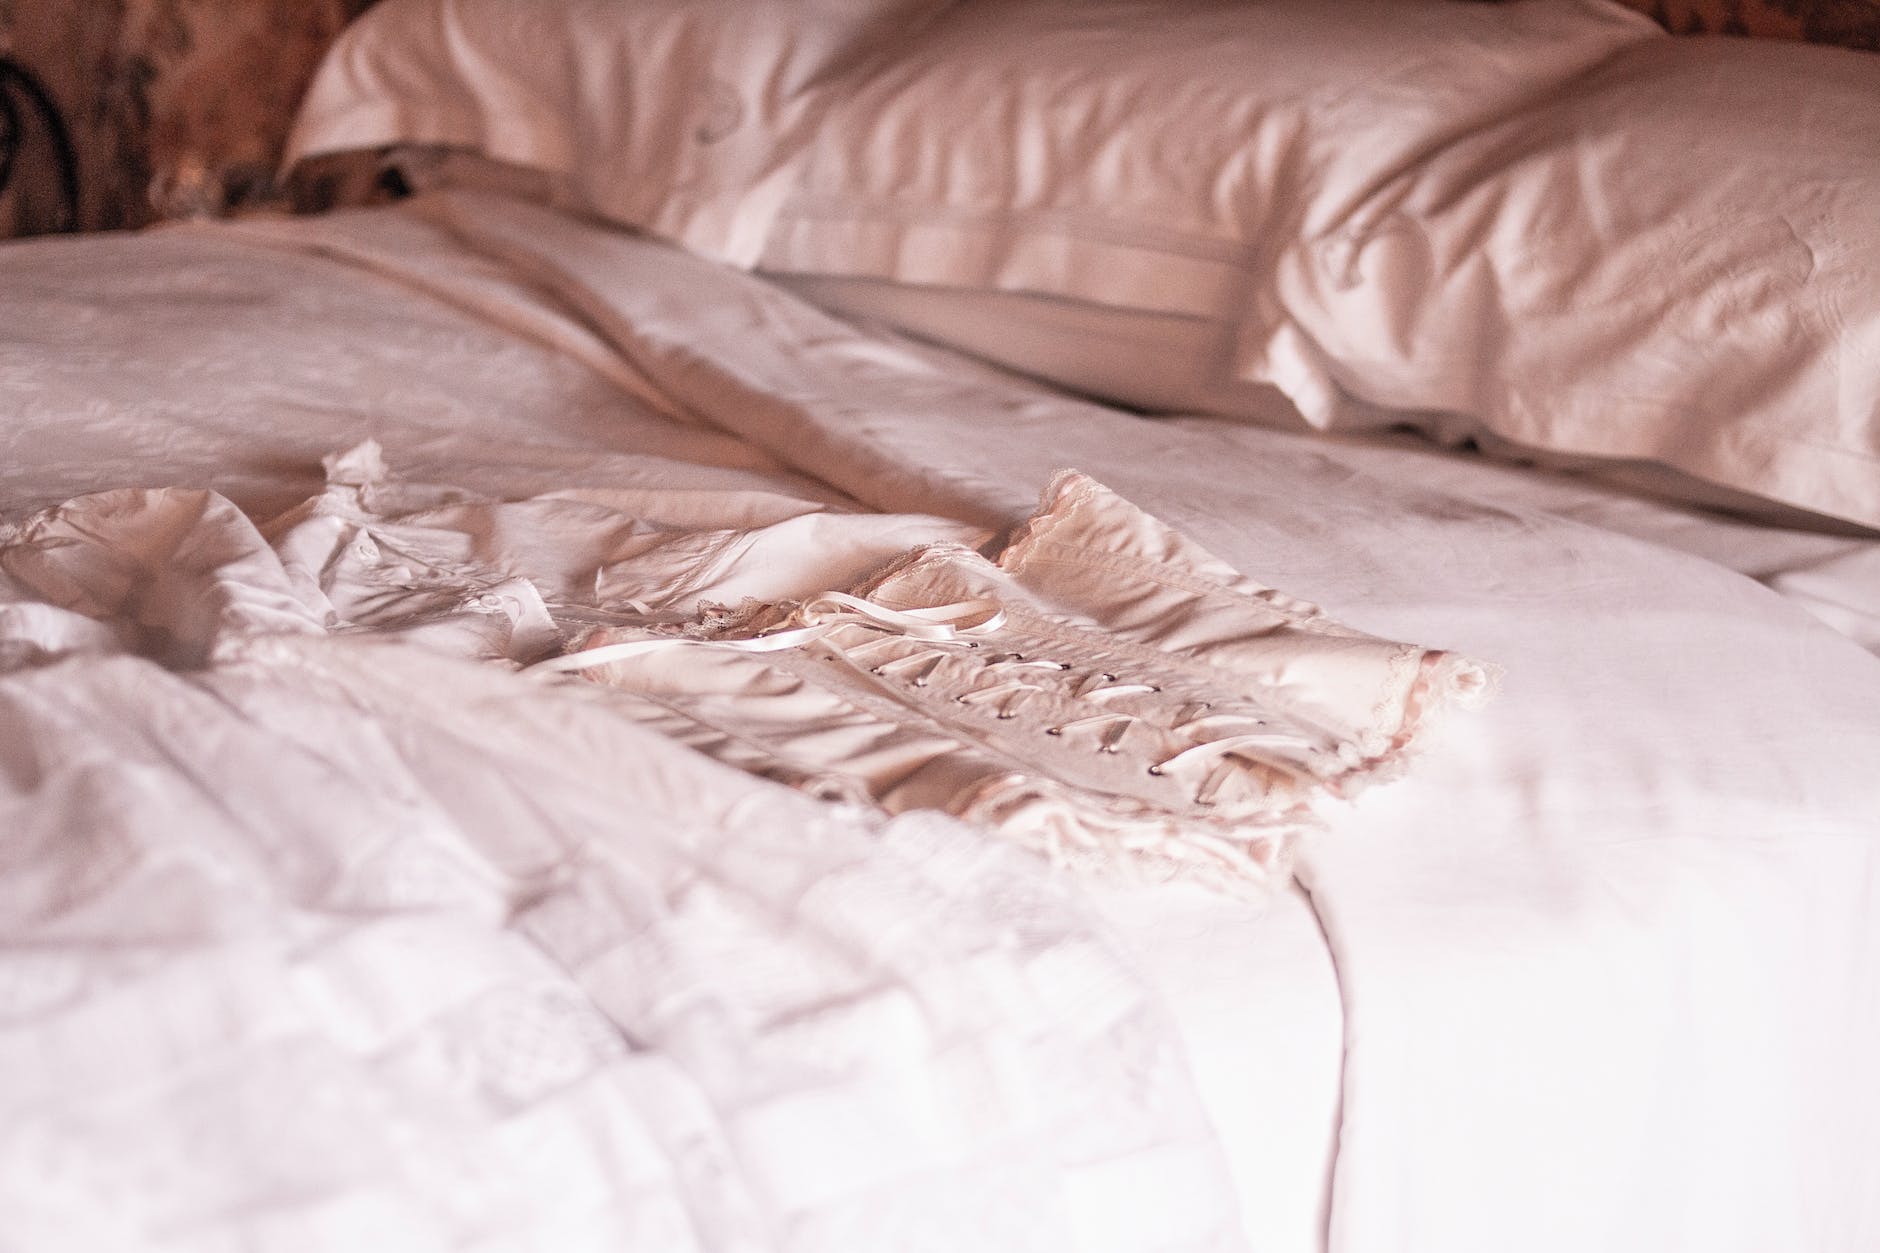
323 925
1595 973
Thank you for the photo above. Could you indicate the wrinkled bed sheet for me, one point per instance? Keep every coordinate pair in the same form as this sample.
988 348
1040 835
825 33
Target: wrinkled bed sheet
1598 975
515 494
320 943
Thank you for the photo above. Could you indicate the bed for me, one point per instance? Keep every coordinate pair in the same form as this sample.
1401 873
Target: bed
356 896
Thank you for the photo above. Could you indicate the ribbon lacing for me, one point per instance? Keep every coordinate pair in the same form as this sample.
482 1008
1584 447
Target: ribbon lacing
811 620
1208 765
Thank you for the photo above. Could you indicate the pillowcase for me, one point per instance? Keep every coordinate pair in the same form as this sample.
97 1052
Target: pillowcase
1149 156
1133 154
1676 260
677 116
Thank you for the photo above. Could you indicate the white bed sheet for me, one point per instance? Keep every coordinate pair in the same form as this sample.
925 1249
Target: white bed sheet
251 362
1603 965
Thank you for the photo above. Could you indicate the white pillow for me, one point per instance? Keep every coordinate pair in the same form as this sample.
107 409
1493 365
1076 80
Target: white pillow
1153 156
1134 154
678 116
1676 259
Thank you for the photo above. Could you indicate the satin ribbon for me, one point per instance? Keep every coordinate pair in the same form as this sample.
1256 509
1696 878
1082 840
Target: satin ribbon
815 618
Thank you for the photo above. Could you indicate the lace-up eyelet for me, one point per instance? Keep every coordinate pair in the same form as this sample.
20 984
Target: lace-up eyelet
1054 730
1156 771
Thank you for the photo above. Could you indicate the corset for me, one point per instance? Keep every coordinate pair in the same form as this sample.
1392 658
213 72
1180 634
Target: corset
1097 688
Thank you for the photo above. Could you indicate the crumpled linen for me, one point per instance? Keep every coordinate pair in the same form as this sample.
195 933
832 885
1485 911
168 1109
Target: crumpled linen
1649 860
1131 706
315 935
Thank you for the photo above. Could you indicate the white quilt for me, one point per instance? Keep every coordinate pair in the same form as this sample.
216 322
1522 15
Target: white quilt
313 918
317 937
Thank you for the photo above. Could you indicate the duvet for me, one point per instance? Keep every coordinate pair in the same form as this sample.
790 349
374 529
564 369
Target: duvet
327 927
